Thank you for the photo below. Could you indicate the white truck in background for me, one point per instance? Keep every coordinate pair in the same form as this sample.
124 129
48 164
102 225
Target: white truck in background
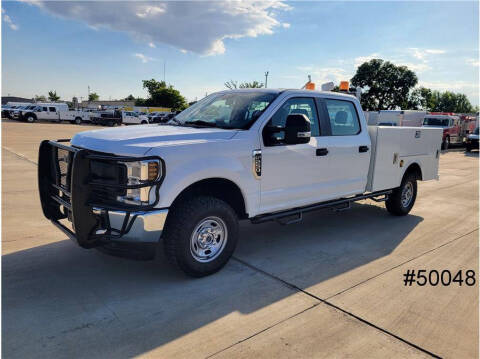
256 154
54 112
406 118
134 118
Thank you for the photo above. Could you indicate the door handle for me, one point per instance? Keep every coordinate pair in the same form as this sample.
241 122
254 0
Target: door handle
363 149
321 152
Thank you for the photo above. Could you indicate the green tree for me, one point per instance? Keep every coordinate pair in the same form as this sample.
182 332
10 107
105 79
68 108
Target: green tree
93 96
436 101
385 86
52 96
251 85
165 96
40 98
130 98
232 85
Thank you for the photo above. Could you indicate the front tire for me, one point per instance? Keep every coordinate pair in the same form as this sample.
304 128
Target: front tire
200 236
446 143
144 122
402 199
31 118
78 120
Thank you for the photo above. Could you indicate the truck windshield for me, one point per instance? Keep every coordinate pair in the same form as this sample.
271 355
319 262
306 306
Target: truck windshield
226 110
442 122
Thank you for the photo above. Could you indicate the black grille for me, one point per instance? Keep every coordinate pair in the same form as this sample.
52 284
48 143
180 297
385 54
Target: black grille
63 160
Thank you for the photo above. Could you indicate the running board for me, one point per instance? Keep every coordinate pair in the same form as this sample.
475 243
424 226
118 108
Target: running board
337 204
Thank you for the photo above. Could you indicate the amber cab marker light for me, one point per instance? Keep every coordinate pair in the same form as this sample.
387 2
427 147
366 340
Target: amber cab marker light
344 85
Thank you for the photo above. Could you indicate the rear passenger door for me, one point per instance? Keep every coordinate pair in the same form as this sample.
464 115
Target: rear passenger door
349 146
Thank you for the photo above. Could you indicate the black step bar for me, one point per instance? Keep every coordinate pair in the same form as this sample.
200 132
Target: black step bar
276 216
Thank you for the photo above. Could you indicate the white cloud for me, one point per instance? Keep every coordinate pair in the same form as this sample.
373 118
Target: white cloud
286 25
321 75
143 57
9 21
422 54
152 45
473 62
201 27
361 59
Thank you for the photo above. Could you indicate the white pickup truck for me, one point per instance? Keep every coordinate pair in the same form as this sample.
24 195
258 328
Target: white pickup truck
245 154
55 113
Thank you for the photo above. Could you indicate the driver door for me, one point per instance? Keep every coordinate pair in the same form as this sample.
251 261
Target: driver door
293 175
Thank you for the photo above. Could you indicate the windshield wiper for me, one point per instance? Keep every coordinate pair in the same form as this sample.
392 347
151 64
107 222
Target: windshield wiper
201 123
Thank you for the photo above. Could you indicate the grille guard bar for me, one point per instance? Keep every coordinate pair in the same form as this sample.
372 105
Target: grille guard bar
88 215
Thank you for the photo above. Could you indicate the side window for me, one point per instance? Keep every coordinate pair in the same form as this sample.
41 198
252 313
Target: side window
52 109
45 109
343 117
297 105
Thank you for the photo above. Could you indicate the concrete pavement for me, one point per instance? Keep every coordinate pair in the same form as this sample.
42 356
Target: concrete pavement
328 287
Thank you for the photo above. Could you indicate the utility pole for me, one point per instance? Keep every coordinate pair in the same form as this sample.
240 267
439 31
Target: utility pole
266 78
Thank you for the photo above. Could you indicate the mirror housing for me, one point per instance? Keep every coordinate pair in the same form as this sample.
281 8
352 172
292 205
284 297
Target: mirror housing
297 129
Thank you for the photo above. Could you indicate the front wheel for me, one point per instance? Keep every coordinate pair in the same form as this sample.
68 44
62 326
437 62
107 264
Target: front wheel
78 121
144 122
200 235
402 199
446 143
31 118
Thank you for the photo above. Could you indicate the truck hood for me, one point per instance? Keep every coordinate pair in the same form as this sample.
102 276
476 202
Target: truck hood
137 140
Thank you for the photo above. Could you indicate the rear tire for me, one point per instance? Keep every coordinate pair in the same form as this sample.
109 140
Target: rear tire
144 122
402 199
78 120
200 236
110 123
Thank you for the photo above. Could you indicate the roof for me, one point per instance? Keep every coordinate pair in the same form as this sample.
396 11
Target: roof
296 91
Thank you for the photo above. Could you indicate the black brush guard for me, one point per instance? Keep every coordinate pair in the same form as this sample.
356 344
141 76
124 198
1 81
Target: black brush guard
69 191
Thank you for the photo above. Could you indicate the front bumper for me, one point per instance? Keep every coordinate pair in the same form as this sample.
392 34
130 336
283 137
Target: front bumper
146 226
70 198
472 143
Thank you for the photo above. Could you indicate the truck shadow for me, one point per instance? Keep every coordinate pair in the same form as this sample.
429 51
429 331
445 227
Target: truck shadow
59 300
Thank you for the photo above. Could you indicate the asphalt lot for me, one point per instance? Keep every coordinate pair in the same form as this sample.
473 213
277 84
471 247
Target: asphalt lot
331 286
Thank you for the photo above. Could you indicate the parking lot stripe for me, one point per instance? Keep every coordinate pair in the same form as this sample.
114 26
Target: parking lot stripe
364 321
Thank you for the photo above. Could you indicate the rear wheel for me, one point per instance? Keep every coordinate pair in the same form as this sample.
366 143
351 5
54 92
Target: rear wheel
200 235
110 123
78 120
144 122
402 199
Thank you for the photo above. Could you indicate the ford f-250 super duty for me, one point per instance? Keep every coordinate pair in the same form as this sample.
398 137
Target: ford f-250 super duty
244 154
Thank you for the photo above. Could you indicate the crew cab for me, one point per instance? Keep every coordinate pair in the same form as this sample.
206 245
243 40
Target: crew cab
133 118
54 113
253 154
450 125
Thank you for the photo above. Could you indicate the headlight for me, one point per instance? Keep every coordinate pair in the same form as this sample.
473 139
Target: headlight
137 173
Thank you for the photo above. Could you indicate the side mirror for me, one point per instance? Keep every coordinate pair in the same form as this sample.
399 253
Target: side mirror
297 129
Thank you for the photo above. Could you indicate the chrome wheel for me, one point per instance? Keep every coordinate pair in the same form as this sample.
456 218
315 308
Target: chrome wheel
208 239
407 194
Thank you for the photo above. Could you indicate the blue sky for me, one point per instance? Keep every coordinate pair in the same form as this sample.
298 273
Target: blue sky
112 46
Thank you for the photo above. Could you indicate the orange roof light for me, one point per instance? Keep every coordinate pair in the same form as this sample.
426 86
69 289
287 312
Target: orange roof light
310 86
344 86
